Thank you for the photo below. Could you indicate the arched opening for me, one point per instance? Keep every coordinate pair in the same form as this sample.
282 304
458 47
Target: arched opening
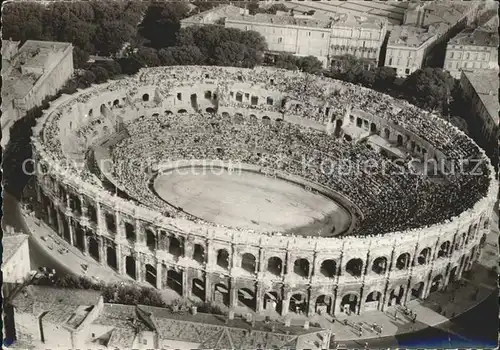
150 240
103 108
373 128
199 254
198 288
379 265
155 115
254 100
111 257
396 296
92 213
403 261
238 118
486 224
349 303
80 237
373 300
130 231
436 283
354 267
328 268
225 114
453 274
387 133
444 249
116 103
168 112
266 120
174 281
248 262
417 291
94 248
253 118
348 138
270 101
482 242
274 265
424 256
110 223
298 303
400 140
151 275
208 95
210 110
174 247
279 122
301 267
91 112
130 266
221 294
223 259
323 304
239 97
247 298
145 97
66 233
272 302
194 101
359 122
181 111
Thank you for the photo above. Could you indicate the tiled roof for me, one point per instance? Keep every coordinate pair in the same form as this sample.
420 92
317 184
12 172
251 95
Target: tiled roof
409 35
476 37
282 20
11 244
486 86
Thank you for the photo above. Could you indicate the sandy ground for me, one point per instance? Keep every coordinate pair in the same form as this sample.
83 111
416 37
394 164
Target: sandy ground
248 200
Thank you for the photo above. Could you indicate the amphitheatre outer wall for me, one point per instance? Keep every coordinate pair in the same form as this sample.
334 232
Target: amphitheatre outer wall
261 270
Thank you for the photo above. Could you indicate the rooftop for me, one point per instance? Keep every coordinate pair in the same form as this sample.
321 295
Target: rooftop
33 60
449 12
410 36
282 20
211 16
476 37
486 86
11 244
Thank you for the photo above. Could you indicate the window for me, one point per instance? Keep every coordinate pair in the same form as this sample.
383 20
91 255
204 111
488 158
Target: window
390 61
407 71
467 55
452 54
93 335
145 341
179 96
309 33
280 39
322 35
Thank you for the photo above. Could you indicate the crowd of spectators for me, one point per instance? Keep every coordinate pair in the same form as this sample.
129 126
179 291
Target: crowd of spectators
390 197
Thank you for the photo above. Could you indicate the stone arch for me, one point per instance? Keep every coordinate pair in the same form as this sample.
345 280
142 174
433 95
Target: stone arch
486 224
272 301
354 267
130 267
111 257
348 138
359 122
225 114
239 97
145 97
417 291
400 140
199 253
482 242
174 280
374 300
379 265
275 265
349 303
329 268
387 133
198 288
116 102
210 110
94 248
151 275
254 100
103 108
130 232
453 275
110 222
373 128
298 303
324 304
444 249
248 262
181 111
270 101
92 213
168 112
396 295
80 237
424 256
301 267
253 118
437 283
208 95
155 115
151 241
223 258
247 298
175 246
221 294
266 120
66 232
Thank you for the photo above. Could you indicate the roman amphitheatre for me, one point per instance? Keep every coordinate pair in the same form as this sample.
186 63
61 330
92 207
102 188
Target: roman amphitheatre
262 187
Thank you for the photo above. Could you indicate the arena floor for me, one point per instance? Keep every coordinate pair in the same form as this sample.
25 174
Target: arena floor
251 201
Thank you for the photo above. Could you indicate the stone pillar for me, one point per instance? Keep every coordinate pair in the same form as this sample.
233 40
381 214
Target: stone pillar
285 304
288 265
310 306
186 291
233 294
59 223
259 296
71 232
68 207
104 251
85 242
101 220
208 288
120 260
158 275
49 215
139 233
138 268
188 249
120 230
262 261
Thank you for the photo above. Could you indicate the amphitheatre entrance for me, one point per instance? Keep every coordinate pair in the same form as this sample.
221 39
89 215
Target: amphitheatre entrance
251 200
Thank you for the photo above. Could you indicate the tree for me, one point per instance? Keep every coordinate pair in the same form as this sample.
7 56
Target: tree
309 64
101 74
181 55
229 53
29 14
429 88
161 23
112 35
286 61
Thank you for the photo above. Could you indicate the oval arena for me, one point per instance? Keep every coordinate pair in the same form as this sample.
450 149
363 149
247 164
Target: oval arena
276 222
